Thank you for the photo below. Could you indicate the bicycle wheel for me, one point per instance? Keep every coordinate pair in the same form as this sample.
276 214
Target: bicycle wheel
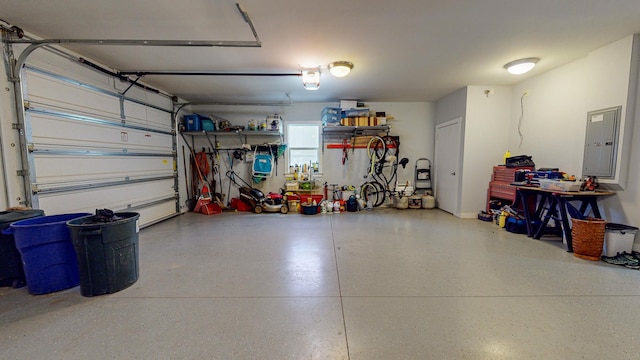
374 192
376 147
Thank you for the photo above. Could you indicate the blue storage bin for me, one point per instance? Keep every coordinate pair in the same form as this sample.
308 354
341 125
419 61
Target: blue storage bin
48 255
192 122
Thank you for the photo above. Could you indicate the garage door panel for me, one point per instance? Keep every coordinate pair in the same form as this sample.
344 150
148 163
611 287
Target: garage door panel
155 213
115 198
147 117
76 169
46 90
49 131
60 65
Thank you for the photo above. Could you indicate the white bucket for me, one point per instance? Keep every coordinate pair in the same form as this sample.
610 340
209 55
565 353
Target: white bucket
404 190
415 202
428 202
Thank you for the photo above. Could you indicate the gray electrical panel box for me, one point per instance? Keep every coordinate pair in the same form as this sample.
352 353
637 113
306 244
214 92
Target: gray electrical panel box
601 143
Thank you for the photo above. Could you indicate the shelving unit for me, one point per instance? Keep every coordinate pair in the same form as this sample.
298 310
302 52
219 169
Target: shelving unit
242 135
354 130
350 132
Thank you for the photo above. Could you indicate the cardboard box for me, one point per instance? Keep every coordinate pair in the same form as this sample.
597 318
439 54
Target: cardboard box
348 104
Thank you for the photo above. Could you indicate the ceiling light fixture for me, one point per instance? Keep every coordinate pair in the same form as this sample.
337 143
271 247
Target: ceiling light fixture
521 66
311 78
340 68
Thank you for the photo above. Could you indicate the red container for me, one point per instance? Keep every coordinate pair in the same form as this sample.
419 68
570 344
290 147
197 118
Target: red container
240 205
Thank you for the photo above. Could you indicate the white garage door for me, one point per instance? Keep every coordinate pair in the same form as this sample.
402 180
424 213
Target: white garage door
90 147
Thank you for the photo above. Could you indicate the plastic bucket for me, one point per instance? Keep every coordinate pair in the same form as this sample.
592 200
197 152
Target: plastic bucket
107 253
48 256
618 238
309 209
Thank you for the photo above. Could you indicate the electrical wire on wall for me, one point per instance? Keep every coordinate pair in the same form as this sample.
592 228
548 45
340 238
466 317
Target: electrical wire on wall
524 94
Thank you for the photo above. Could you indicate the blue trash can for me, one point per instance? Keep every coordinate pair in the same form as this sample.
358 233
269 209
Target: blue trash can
11 271
48 255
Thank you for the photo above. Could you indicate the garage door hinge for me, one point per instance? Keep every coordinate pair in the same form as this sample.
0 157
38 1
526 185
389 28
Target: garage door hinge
17 126
26 104
23 172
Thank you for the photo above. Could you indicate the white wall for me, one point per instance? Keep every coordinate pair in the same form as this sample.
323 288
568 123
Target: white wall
414 123
554 127
611 81
486 140
452 106
553 124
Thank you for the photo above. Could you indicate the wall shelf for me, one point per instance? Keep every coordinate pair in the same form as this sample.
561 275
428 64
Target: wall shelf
242 135
354 130
350 132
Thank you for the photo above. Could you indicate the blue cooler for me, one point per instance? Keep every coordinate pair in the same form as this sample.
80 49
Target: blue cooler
48 255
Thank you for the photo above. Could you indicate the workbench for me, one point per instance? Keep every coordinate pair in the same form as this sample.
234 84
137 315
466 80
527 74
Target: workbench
555 202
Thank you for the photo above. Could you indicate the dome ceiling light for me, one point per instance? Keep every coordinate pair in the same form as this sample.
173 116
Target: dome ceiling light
521 66
340 68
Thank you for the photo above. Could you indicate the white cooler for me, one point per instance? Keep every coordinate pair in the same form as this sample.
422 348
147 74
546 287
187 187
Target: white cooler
618 238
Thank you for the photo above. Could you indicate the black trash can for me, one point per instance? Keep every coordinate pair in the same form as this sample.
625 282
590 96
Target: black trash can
107 252
11 269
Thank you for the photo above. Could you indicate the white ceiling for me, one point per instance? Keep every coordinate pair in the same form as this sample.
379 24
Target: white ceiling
403 50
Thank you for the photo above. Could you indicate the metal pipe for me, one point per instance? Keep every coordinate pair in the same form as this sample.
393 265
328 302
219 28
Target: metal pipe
126 42
201 73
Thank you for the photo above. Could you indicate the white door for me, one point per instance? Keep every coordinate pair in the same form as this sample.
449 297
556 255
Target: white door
447 165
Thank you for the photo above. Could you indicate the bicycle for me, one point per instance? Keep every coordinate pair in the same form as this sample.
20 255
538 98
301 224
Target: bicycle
383 155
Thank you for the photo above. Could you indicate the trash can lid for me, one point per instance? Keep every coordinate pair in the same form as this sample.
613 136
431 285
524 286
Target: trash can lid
92 220
619 227
8 217
46 221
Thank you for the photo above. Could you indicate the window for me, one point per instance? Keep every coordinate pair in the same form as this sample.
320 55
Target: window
303 143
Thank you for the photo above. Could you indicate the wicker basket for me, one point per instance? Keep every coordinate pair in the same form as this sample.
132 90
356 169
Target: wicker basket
588 238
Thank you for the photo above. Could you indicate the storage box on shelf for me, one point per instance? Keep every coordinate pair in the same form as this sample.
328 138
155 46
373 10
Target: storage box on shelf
549 184
331 116
499 187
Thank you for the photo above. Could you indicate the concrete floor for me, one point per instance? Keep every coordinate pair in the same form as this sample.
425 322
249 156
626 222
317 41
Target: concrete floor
386 284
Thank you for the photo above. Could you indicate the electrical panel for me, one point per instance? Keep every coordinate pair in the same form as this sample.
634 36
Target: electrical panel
601 143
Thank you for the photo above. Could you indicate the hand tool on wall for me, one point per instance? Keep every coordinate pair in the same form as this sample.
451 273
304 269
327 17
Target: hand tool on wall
345 150
184 164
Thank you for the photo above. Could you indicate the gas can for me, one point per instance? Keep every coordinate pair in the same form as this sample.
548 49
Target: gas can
415 202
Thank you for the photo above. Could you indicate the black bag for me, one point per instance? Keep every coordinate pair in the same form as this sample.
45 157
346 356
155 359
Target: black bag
352 204
520 160
514 225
